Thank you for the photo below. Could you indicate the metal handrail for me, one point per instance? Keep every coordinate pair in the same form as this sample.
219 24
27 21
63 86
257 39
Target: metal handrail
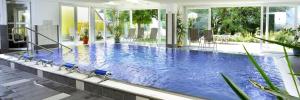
13 37
46 37
98 15
41 47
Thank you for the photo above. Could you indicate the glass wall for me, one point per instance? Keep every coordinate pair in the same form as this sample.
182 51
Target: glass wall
68 23
109 18
147 25
198 19
82 22
125 21
197 24
99 24
162 26
281 23
281 17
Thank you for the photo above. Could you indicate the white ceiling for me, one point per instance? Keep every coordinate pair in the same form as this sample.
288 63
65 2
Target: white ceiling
148 4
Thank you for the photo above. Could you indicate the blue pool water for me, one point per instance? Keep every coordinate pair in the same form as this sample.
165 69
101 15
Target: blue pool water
195 73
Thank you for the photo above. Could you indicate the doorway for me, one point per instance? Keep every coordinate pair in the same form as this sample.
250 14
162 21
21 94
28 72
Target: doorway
18 17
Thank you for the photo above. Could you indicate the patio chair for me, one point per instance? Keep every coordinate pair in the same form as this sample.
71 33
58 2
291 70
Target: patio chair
208 39
194 36
131 34
153 34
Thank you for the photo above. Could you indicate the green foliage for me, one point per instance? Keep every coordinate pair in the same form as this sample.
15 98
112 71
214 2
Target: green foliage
291 70
282 94
124 16
285 36
235 88
234 20
271 88
200 22
115 26
247 37
282 44
143 16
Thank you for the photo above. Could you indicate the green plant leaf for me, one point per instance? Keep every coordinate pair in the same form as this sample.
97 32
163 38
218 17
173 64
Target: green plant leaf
279 43
261 71
282 93
235 88
291 70
297 74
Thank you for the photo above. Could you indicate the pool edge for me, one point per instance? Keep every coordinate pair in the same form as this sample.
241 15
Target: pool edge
111 88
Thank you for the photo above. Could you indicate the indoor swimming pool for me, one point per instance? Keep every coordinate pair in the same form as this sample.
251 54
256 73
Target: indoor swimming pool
189 72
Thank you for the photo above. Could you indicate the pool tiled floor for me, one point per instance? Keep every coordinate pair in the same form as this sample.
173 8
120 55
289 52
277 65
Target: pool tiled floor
19 85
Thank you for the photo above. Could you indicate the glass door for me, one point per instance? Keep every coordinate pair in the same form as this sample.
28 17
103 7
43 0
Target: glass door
18 16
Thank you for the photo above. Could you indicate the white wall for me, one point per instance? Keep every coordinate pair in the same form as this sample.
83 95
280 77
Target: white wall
45 14
45 10
3 15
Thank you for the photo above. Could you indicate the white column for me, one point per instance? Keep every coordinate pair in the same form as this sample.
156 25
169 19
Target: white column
92 23
261 24
130 19
171 23
209 19
159 25
104 20
296 18
76 40
267 22
3 12
185 21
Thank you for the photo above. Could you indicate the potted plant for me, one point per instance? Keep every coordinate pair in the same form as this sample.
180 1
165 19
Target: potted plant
85 38
180 30
118 33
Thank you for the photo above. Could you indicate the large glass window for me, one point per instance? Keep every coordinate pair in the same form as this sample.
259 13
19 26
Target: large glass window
197 24
68 23
281 23
82 22
124 20
99 24
198 19
109 15
147 24
281 17
162 26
